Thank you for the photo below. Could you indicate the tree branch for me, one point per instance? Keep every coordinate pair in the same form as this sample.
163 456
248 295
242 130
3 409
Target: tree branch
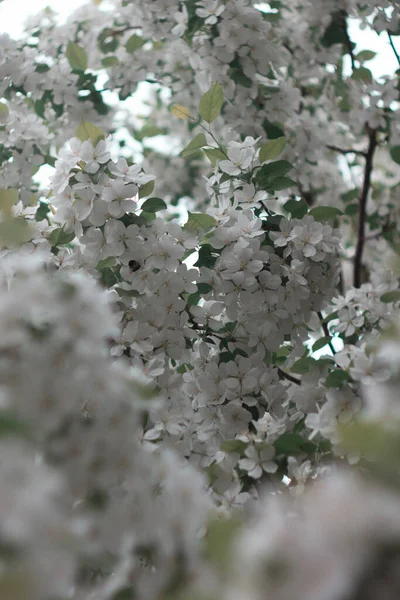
362 206
346 151
397 55
325 329
349 43
285 375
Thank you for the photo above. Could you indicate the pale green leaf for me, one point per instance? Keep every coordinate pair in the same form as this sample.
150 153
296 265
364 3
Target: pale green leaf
211 103
134 43
196 144
88 131
272 149
199 221
76 56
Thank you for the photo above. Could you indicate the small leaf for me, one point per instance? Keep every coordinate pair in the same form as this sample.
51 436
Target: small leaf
303 365
88 131
134 43
271 171
153 205
214 155
393 296
8 199
76 56
297 208
146 189
199 221
59 237
324 213
272 149
15 231
336 378
3 112
110 61
395 154
211 103
324 341
289 444
196 144
282 183
233 446
365 55
180 111
362 74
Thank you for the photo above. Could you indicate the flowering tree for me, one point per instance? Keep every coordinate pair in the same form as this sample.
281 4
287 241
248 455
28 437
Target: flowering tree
199 307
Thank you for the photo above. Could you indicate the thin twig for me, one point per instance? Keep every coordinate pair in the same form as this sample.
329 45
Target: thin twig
325 329
285 375
349 43
362 205
346 151
397 55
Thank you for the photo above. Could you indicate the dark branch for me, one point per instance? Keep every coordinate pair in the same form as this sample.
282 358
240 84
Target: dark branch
397 55
326 331
285 375
346 151
362 205
349 43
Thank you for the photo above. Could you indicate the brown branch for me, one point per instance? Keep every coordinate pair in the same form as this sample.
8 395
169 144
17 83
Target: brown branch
362 205
397 55
349 43
346 151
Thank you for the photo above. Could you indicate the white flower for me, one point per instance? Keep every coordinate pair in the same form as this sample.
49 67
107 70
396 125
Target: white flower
258 461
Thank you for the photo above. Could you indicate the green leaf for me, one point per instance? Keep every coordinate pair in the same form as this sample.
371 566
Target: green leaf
272 171
336 378
59 237
153 205
180 111
362 74
11 425
110 61
214 155
204 288
282 183
351 210
324 213
88 131
211 103
3 112
365 55
324 341
199 221
272 149
297 208
289 444
146 189
76 56
134 43
393 296
233 446
331 317
395 154
15 231
206 257
219 541
196 144
106 263
303 365
8 198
